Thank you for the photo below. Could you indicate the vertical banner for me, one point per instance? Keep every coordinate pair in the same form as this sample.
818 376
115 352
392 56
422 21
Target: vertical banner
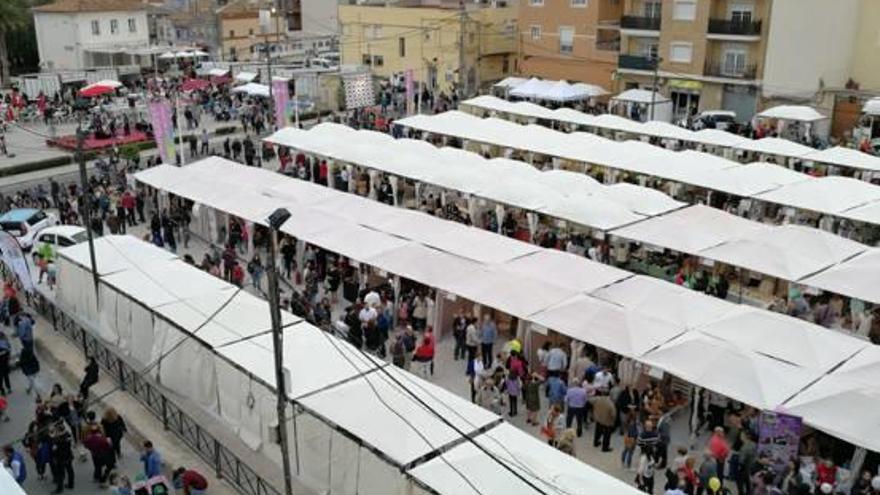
779 436
163 131
408 81
13 258
281 95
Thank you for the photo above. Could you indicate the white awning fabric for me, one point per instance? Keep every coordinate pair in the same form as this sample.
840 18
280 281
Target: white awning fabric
846 157
640 96
252 89
571 295
792 112
857 277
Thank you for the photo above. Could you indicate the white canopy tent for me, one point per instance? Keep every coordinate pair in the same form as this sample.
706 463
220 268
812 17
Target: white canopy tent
252 89
830 195
760 381
778 147
691 229
646 99
245 76
533 88
789 252
846 157
8 485
798 113
510 82
702 359
855 278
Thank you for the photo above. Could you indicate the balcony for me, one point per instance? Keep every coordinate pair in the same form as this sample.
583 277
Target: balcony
729 27
640 23
730 71
612 45
636 62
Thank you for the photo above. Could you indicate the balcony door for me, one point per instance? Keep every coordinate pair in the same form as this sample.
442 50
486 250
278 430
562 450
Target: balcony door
651 9
735 61
741 13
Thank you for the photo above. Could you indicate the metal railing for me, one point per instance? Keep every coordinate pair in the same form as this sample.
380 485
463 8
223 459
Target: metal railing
637 62
227 465
731 71
732 27
640 22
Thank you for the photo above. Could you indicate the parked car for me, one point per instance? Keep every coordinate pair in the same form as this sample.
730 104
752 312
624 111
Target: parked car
715 119
61 236
25 224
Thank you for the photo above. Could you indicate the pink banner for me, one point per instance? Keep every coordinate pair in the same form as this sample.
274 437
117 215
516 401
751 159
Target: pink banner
163 130
282 98
408 79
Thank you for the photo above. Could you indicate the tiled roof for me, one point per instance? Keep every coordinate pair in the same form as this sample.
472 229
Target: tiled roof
69 6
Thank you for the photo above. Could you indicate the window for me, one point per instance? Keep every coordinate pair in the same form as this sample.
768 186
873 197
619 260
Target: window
505 66
232 33
427 35
250 32
684 10
741 13
681 52
579 3
566 39
734 62
378 60
374 31
366 60
401 47
114 26
649 49
48 238
96 28
536 32
132 25
651 9
471 38
536 3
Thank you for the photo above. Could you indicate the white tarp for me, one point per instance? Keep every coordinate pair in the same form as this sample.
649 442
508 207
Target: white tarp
533 88
566 270
831 195
510 82
789 252
777 146
758 380
748 180
640 96
606 325
547 470
792 112
674 304
846 157
856 278
691 229
252 89
788 339
8 485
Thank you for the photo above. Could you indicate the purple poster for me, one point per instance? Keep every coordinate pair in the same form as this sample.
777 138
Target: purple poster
163 131
281 96
408 78
779 436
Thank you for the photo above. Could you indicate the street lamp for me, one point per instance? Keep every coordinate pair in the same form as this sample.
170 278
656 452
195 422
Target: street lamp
276 220
80 106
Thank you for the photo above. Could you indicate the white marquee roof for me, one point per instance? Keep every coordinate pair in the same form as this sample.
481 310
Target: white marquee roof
857 277
793 112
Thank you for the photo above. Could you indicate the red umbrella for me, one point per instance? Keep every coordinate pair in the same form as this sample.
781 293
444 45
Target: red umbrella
100 88
194 84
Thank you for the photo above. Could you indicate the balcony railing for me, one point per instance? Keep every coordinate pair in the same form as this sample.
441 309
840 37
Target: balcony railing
731 71
736 28
636 62
608 45
639 22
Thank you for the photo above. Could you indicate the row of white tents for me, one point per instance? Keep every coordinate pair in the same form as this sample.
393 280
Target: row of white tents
359 427
761 358
557 91
841 197
719 141
792 253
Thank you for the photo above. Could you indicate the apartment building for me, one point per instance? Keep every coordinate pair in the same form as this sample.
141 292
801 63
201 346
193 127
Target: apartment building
575 40
426 36
704 54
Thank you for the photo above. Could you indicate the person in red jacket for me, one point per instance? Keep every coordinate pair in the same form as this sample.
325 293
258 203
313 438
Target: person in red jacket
826 472
190 481
720 449
425 351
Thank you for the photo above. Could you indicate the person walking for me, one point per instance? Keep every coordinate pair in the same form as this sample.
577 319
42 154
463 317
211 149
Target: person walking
459 332
103 459
115 428
151 460
575 403
255 269
14 462
5 356
513 386
30 367
472 339
24 330
90 378
488 333
645 471
532 398
61 457
605 414
720 450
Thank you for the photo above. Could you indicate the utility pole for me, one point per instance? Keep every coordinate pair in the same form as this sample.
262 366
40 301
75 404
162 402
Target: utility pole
654 87
276 220
86 198
462 73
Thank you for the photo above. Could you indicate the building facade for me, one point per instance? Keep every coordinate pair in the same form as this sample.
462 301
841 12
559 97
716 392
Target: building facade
81 34
702 54
575 40
443 45
299 29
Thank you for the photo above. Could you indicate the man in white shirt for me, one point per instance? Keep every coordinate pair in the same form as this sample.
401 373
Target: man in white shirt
367 315
603 379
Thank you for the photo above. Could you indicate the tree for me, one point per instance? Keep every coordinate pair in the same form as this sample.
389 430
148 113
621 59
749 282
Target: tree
14 15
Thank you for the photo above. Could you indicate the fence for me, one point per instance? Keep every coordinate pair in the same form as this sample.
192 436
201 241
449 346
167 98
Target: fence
227 465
